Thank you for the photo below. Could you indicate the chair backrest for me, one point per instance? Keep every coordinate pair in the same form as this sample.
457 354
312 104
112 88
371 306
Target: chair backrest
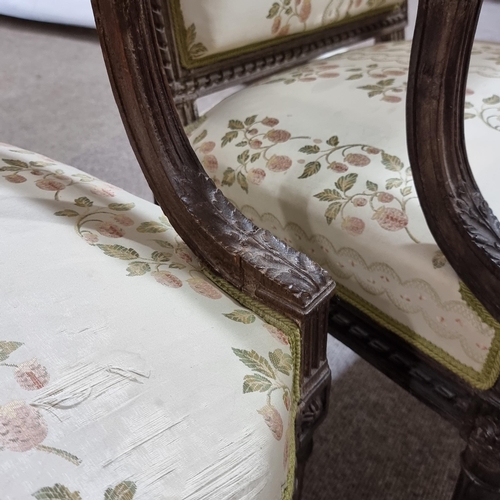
212 44
458 216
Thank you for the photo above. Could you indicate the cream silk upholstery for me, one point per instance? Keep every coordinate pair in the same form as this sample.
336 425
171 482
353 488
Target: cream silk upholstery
213 27
125 373
318 156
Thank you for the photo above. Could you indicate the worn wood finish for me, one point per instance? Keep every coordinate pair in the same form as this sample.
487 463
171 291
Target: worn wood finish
251 259
457 214
187 85
459 218
140 56
395 36
476 414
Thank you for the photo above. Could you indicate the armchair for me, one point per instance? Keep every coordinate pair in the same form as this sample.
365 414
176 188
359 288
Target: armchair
138 364
319 156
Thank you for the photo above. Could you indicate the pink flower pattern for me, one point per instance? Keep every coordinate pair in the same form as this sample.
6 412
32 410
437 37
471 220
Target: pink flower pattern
31 375
22 427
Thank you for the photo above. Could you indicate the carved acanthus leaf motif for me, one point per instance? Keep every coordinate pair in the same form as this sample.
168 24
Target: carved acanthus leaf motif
479 220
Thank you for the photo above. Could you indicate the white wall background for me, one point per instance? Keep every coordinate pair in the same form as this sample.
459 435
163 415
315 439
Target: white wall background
77 12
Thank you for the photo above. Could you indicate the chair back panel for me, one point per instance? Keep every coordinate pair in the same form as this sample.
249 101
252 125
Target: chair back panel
212 30
206 46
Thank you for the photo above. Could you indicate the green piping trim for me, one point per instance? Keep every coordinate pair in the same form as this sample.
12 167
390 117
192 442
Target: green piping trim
291 330
179 28
492 363
191 127
483 380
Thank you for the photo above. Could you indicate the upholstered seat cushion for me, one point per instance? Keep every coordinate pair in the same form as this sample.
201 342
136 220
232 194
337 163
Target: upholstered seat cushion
318 156
125 373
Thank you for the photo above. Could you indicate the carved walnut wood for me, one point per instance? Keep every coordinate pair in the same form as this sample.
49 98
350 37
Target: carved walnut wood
188 84
251 259
458 216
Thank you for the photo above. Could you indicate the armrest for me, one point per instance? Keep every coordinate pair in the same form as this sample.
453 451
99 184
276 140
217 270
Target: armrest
132 36
459 218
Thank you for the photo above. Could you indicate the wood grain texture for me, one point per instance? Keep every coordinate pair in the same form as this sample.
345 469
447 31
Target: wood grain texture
254 261
189 84
459 218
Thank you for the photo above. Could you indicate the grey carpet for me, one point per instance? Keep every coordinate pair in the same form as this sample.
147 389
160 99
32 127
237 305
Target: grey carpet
378 443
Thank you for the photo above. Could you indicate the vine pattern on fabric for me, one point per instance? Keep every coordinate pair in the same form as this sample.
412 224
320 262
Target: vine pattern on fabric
258 137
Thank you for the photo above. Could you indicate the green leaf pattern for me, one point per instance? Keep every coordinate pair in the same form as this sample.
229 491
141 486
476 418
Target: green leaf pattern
488 111
266 373
125 490
286 14
195 49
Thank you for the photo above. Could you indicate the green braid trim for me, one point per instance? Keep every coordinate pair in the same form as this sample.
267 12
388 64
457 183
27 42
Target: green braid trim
492 364
483 380
191 127
292 331
188 62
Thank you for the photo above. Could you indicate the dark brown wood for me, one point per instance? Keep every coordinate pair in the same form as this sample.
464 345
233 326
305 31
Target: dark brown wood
414 371
459 218
151 86
471 488
302 457
394 36
480 465
251 259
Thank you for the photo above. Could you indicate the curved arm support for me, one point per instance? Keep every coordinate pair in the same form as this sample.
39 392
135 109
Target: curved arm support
251 259
459 218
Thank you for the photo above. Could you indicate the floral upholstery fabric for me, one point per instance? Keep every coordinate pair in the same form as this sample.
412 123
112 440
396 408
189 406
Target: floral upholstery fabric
125 373
216 26
318 156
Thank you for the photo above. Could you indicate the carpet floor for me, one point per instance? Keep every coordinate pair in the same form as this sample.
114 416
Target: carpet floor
378 443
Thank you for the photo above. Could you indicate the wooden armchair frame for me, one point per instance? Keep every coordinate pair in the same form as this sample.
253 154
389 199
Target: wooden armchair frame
465 229
151 87
155 95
